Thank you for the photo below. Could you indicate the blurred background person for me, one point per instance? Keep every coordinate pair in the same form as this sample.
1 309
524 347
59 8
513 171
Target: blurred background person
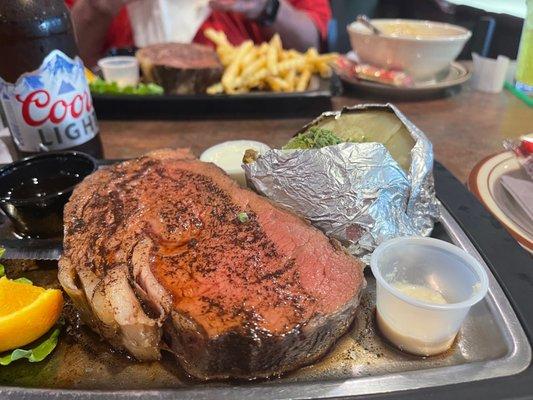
104 24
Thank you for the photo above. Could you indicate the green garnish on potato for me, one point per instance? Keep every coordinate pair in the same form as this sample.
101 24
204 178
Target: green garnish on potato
316 138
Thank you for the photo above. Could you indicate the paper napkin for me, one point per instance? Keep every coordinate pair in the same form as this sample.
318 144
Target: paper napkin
159 21
522 192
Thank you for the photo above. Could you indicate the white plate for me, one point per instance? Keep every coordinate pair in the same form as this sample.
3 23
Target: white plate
485 182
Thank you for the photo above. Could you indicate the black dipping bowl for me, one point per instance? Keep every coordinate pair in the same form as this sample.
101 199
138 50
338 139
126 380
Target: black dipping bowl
34 190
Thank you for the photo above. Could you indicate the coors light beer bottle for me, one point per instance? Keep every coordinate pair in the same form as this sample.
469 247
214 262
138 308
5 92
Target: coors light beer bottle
43 89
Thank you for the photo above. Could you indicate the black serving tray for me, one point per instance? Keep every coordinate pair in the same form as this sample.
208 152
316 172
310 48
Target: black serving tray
511 265
202 106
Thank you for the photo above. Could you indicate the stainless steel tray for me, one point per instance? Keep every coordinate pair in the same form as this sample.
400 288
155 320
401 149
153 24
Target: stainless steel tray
491 344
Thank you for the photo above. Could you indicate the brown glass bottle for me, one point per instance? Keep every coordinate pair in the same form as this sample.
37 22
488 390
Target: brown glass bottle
29 31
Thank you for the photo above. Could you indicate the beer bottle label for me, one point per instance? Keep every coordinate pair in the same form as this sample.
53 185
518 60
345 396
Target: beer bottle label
50 108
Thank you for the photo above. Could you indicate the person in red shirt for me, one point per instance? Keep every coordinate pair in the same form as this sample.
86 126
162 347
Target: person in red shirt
103 24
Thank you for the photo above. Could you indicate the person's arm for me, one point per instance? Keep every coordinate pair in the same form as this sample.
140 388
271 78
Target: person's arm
296 29
91 20
294 26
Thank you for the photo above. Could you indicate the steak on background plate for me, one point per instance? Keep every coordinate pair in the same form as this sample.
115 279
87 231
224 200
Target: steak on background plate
166 251
180 68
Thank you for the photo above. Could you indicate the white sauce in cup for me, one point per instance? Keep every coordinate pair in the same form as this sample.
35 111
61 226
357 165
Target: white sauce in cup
228 156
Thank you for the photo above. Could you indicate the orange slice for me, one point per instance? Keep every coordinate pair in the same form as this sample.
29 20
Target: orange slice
89 75
26 312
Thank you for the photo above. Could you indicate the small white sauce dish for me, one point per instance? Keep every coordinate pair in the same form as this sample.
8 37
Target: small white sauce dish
228 156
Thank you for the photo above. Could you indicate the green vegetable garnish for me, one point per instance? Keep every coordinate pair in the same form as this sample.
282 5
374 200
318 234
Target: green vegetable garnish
316 138
36 354
24 280
99 86
243 217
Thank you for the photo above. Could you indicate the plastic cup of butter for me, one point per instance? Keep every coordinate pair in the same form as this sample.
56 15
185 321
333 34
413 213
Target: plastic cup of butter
425 288
124 70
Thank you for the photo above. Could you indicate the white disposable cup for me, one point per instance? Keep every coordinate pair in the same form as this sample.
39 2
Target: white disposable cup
124 70
489 74
416 326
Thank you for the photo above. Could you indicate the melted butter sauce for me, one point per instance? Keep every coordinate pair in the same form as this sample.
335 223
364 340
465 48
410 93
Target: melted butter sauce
422 293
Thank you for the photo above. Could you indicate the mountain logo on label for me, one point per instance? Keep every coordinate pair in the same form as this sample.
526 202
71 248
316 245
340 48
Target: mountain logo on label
66 88
59 65
34 82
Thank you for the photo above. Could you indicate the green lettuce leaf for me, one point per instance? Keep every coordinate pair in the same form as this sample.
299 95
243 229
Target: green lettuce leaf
24 280
36 354
99 86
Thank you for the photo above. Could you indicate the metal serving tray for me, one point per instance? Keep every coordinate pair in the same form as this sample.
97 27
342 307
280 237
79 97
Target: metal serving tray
491 344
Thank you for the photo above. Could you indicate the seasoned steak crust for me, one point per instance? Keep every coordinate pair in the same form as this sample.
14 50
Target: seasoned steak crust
167 251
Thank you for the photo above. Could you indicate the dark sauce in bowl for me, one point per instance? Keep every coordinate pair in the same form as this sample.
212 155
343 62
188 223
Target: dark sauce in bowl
42 187
33 191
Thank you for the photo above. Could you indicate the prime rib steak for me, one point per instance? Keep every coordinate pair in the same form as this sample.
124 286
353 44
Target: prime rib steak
166 251
180 68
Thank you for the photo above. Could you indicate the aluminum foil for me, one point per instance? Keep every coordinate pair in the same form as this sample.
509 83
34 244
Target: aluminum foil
354 192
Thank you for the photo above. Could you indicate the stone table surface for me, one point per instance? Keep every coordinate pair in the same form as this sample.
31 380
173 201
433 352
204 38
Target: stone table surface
464 128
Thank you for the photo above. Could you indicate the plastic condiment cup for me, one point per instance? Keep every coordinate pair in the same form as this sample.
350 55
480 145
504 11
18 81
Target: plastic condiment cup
489 73
124 70
417 326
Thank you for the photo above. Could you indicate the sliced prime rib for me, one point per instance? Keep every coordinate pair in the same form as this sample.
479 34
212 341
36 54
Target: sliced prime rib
166 251
180 68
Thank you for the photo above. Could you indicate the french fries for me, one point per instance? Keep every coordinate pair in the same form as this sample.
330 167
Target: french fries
266 66
303 80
